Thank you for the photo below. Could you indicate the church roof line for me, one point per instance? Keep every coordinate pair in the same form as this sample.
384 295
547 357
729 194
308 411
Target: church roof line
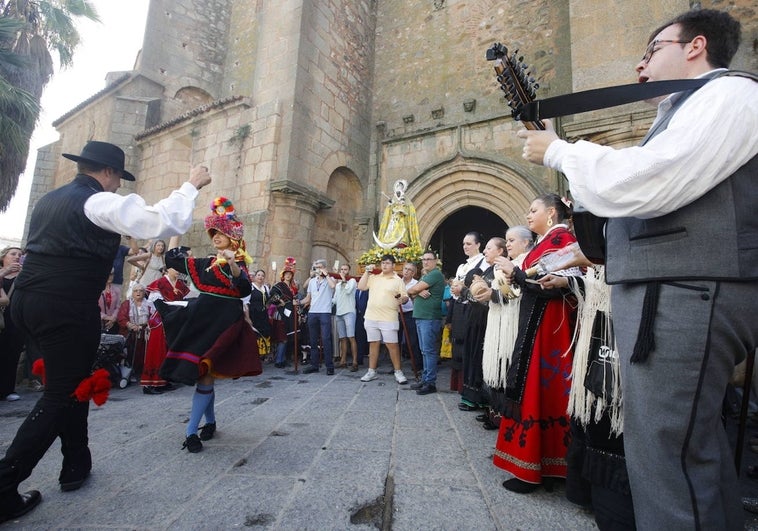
111 86
216 104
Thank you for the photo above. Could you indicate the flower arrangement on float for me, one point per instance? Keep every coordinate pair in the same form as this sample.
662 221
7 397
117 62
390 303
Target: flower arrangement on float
402 254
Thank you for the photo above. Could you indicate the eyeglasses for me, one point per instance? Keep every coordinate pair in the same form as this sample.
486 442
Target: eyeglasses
651 48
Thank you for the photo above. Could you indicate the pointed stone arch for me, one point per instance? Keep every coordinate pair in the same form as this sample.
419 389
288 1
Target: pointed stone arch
334 231
442 190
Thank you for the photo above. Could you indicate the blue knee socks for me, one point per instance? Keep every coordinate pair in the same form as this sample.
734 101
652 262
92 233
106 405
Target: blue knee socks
202 402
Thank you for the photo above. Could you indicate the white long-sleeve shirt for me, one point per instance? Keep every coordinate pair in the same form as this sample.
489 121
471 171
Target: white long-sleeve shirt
129 214
710 136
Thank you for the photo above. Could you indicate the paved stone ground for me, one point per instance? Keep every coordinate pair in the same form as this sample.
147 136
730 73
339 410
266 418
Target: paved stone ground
292 451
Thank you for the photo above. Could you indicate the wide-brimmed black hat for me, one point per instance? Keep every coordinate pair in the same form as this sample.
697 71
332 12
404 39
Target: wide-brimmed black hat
103 153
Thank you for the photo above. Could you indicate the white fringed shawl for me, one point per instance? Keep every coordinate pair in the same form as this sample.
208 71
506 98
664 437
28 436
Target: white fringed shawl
502 329
597 298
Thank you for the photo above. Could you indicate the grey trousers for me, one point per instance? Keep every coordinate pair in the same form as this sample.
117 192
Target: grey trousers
681 467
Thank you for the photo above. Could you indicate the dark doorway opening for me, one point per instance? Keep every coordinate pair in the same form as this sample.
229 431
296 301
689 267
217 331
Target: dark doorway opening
447 239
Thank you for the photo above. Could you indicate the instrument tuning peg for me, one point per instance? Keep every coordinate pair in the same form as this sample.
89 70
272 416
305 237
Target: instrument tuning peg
536 86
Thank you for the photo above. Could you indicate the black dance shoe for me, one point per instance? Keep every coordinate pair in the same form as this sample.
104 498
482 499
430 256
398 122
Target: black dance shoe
193 444
207 431
26 502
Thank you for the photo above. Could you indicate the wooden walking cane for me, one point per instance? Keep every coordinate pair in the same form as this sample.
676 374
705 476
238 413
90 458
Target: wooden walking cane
749 363
296 319
407 342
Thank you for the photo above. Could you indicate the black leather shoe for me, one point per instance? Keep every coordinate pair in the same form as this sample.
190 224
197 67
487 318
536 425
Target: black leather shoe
483 417
465 407
207 431
75 469
418 385
310 369
489 425
330 372
68 486
427 389
149 390
26 502
520 487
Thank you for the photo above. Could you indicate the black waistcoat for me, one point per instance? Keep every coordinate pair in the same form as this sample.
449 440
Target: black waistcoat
67 254
675 246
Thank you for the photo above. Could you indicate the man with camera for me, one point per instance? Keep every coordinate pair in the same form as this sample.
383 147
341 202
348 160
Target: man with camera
319 297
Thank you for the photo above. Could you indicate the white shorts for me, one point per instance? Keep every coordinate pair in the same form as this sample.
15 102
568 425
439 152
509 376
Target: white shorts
384 331
346 325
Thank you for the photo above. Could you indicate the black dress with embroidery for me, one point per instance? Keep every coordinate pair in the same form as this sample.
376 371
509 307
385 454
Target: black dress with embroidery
209 334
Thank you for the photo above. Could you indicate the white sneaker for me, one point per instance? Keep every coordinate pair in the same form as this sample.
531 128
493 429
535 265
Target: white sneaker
12 397
400 377
370 375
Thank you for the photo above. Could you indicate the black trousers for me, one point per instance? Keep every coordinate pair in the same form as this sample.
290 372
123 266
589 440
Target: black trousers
414 349
66 336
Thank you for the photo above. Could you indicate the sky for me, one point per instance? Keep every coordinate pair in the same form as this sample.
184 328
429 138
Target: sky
108 46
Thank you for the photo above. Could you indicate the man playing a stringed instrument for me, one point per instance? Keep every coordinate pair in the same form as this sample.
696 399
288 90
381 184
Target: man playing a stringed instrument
683 318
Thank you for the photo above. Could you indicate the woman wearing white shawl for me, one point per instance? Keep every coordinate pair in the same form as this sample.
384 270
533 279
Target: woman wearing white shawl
502 322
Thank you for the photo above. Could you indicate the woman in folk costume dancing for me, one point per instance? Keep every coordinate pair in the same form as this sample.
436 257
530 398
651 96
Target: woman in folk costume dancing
209 338
534 431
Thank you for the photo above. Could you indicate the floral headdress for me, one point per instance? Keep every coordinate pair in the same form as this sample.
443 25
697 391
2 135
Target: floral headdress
223 219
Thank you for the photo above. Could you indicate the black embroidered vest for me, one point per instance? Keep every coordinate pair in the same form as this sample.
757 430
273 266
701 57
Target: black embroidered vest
67 254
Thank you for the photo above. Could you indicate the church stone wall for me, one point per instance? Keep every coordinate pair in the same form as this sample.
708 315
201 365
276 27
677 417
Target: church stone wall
307 104
185 46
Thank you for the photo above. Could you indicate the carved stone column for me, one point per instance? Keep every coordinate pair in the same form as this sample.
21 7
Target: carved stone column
293 214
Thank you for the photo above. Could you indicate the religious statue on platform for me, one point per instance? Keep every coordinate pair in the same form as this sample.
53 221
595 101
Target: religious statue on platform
399 226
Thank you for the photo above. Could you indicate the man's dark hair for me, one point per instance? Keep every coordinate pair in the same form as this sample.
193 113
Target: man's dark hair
720 29
388 257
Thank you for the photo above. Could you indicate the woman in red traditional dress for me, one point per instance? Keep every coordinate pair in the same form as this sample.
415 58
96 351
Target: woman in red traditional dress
168 288
534 431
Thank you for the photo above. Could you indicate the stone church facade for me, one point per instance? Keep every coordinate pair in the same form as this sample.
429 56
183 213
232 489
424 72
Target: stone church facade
306 111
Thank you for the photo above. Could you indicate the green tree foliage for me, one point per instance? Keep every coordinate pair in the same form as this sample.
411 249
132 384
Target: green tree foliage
30 32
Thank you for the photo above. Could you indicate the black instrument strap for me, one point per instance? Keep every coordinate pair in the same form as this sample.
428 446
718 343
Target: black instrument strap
591 100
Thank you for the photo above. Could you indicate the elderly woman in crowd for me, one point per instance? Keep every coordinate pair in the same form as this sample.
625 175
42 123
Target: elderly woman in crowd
167 288
502 323
11 340
133 316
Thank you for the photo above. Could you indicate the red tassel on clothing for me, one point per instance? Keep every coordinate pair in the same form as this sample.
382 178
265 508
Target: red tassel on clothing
97 386
38 369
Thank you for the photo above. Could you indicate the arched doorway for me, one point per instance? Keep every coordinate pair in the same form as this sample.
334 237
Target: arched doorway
446 240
